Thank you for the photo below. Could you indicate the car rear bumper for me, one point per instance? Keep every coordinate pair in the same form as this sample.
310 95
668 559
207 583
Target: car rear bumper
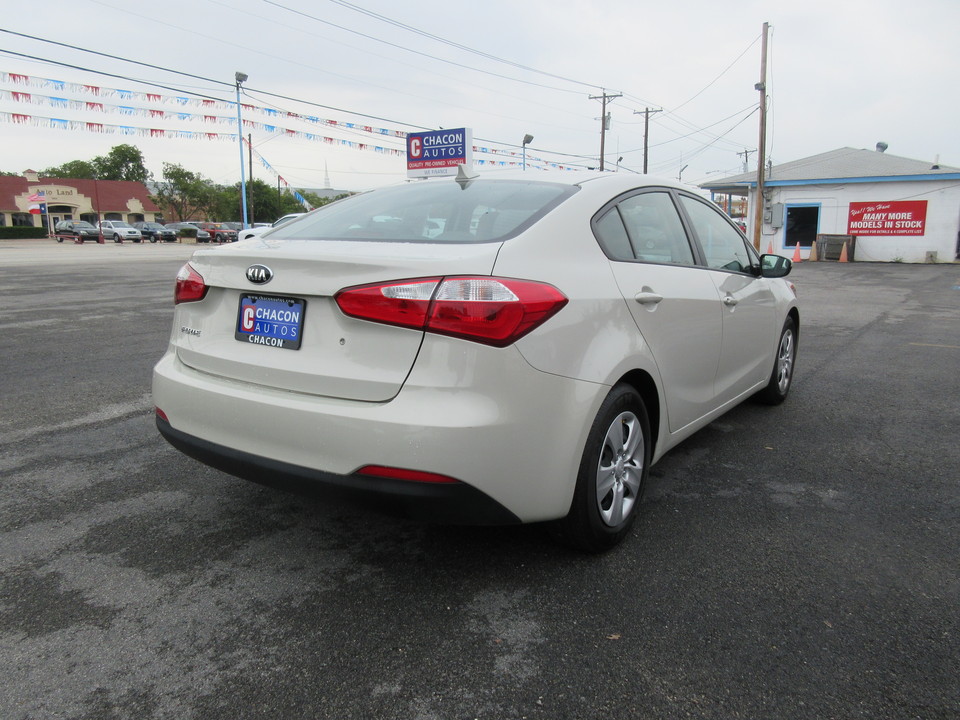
512 434
453 503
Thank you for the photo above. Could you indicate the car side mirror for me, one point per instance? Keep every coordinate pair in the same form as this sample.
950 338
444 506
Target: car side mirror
775 266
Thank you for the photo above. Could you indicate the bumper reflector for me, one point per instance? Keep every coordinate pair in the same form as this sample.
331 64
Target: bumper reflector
404 474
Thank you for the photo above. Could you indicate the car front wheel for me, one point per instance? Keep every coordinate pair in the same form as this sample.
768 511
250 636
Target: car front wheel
782 376
612 474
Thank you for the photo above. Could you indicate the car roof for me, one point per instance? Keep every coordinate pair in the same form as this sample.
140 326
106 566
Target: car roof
614 181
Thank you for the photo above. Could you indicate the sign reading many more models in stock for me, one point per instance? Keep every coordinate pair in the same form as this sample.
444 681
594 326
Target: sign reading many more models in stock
439 152
897 217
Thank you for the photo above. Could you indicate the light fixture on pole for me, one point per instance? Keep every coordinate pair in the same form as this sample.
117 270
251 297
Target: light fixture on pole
527 139
241 78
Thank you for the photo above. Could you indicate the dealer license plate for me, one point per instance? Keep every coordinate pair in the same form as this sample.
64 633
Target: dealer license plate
270 321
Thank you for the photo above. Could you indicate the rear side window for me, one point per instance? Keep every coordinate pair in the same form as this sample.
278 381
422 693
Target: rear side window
644 227
655 227
442 211
613 236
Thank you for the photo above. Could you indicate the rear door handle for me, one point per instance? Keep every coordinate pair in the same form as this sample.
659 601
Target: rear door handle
648 298
730 300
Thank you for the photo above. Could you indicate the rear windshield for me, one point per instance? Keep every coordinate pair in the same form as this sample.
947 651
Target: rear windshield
442 211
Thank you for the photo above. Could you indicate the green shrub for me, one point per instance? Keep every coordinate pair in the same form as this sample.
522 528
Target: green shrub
20 233
188 232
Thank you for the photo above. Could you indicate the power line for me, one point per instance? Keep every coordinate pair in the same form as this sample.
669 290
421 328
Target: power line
415 52
175 72
713 82
451 43
351 6
714 138
248 94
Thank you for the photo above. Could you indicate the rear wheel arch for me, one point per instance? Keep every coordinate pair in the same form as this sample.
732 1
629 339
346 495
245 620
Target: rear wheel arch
611 474
646 387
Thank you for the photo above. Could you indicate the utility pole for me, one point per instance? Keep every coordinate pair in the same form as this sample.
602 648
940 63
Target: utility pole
646 133
746 158
604 120
762 149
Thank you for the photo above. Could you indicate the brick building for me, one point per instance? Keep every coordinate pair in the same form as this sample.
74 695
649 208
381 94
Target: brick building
73 199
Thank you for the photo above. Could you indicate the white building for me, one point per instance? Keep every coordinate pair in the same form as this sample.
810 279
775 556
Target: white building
898 209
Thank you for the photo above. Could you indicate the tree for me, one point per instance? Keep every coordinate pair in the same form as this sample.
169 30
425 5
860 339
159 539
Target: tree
123 162
75 169
264 203
189 195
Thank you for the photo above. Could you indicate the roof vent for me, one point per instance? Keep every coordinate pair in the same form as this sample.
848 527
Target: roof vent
881 146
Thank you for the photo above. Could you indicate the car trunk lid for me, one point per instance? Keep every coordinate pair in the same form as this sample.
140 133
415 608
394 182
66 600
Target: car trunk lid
338 356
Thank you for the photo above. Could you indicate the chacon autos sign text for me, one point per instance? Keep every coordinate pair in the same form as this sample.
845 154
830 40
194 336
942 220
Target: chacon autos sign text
439 152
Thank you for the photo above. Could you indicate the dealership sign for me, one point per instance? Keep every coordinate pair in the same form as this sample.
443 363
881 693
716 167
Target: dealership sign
439 152
898 217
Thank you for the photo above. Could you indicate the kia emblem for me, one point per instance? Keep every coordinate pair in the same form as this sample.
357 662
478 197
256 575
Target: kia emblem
259 274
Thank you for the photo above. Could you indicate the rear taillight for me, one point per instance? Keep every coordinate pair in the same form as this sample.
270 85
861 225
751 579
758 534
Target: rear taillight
190 286
493 311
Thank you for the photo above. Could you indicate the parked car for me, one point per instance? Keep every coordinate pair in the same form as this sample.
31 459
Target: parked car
118 231
528 363
218 231
154 231
260 229
202 235
79 229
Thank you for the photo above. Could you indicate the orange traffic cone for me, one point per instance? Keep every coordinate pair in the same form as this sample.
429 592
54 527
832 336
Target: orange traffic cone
770 248
796 253
843 253
813 251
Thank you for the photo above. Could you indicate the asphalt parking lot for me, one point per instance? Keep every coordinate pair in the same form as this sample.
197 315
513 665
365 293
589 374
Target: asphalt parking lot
790 562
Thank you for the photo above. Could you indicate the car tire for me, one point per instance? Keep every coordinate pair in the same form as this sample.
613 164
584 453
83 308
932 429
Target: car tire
612 474
59 239
781 377
116 238
153 239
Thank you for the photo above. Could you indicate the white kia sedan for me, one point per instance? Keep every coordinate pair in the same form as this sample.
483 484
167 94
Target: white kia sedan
503 348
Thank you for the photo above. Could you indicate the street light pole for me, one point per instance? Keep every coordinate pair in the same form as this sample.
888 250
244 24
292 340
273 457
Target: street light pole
241 78
527 139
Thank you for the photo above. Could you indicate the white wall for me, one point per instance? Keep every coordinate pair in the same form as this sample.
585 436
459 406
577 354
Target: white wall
940 231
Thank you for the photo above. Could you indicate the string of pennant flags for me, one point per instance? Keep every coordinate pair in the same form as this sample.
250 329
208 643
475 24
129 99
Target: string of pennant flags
178 101
132 130
208 107
263 161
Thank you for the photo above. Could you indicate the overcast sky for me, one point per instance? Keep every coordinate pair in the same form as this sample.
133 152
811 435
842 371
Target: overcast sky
840 73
